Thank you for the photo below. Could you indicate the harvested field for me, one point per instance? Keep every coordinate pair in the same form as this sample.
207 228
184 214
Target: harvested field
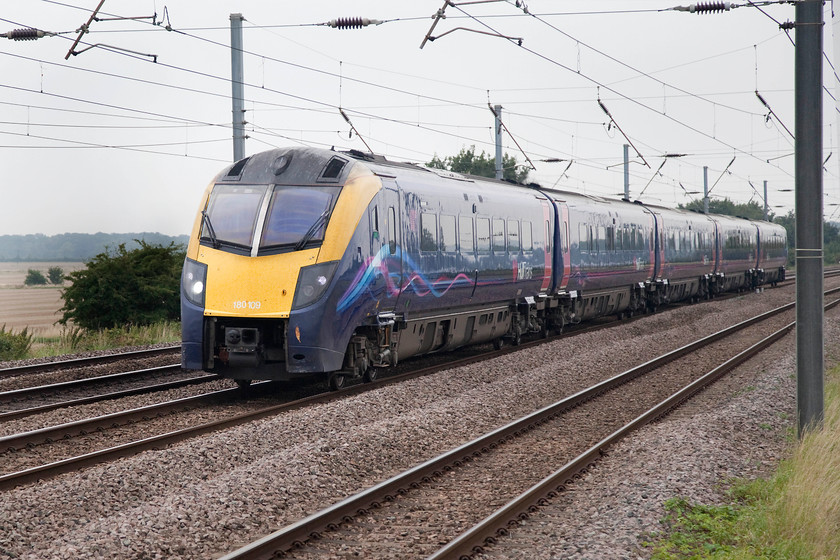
12 274
33 307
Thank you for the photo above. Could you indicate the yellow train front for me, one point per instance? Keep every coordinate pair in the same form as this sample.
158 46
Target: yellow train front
268 239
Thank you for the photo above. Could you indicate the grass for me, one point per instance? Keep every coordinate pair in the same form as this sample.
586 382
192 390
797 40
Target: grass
74 339
794 515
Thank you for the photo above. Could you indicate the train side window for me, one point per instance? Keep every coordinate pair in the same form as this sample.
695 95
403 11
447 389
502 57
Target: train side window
447 233
482 235
513 236
498 236
374 223
585 238
602 239
392 230
466 236
547 237
527 237
610 239
428 232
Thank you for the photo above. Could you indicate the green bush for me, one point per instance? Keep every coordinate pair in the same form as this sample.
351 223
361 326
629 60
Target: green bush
35 278
119 288
56 274
14 346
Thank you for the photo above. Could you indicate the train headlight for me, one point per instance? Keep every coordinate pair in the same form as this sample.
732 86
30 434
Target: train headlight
312 283
193 279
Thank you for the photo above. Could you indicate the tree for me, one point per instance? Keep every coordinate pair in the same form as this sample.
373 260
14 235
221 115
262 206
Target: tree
122 287
831 239
751 210
483 165
55 274
34 278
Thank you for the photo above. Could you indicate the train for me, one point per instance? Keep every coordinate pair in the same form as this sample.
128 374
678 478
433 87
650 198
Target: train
326 265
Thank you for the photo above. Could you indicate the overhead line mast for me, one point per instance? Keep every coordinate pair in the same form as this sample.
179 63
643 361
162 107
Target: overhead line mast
810 359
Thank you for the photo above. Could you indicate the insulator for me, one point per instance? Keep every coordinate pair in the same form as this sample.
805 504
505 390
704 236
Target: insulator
25 34
708 7
352 22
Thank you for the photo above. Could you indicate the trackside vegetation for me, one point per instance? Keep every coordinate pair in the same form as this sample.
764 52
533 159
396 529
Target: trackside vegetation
121 298
125 287
14 346
794 515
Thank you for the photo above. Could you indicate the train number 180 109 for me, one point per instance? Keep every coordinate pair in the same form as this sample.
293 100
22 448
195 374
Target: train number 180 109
243 304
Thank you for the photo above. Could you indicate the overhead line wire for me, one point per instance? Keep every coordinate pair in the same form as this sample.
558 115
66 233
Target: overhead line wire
641 72
131 148
300 98
608 88
400 91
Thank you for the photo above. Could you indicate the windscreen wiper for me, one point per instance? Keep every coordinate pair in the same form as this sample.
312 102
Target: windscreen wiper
312 229
205 219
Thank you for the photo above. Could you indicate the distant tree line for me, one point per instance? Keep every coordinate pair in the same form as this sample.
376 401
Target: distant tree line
78 247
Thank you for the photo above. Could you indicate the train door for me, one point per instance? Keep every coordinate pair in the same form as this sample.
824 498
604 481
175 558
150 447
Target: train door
562 244
719 240
658 245
387 244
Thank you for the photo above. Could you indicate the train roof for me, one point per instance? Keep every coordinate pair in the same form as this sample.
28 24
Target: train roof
256 166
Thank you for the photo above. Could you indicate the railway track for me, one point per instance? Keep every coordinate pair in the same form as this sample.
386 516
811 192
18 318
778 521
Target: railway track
17 402
85 362
204 496
30 470
468 498
22 442
111 395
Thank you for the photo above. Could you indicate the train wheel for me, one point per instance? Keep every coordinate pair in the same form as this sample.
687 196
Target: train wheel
370 374
516 336
498 343
243 383
337 382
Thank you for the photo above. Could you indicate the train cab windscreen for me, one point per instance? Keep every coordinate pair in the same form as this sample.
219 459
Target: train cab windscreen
274 218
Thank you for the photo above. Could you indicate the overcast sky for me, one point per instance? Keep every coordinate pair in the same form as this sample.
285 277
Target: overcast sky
110 140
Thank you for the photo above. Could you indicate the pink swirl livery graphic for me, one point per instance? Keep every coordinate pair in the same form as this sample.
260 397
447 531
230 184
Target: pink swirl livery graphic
377 266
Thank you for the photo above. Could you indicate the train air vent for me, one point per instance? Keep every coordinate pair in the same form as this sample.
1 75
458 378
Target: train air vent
237 168
333 168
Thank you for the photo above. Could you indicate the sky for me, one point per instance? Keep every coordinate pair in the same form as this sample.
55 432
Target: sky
125 135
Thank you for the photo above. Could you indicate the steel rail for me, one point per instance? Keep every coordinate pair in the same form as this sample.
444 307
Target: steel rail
6 396
496 525
91 360
18 441
107 396
296 534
